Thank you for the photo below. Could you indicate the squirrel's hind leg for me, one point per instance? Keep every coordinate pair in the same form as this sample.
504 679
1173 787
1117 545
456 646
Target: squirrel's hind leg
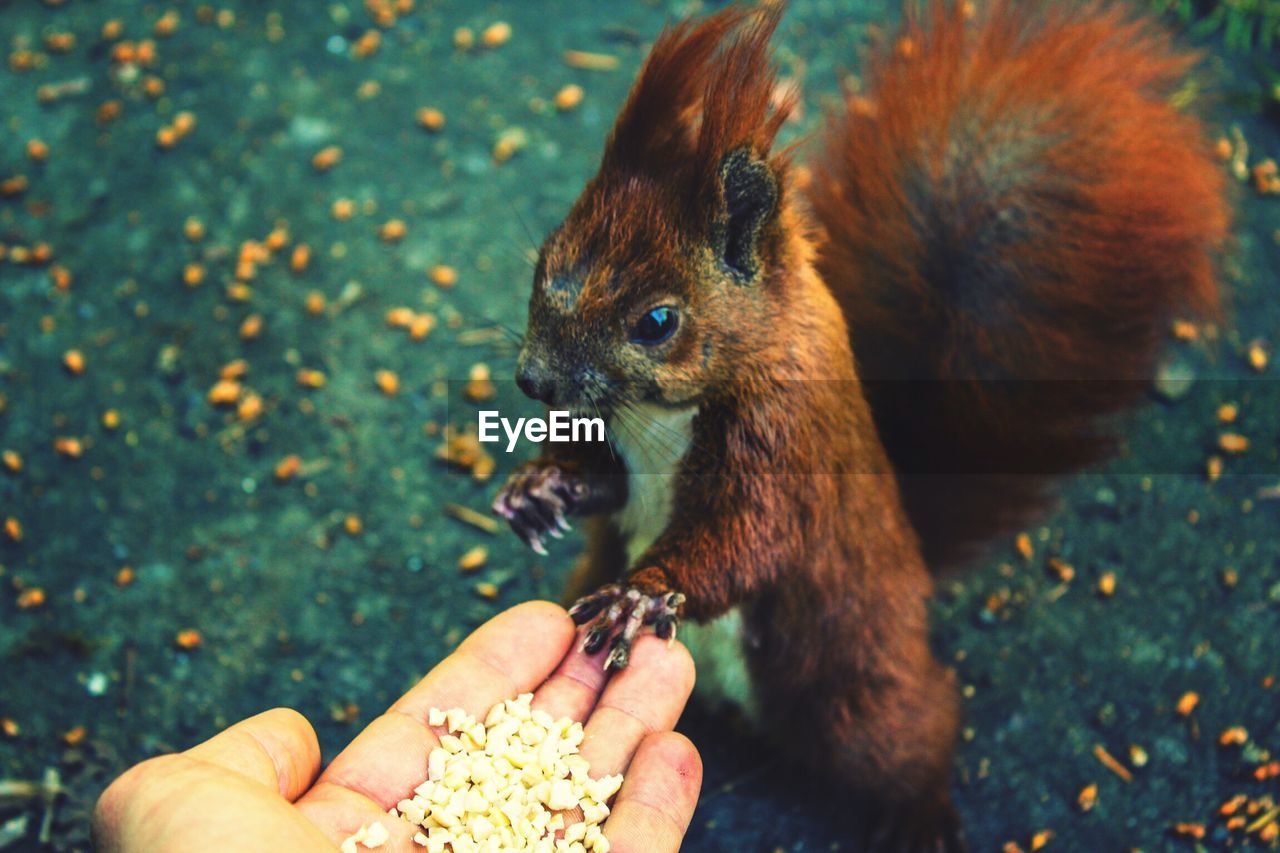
872 709
897 761
898 753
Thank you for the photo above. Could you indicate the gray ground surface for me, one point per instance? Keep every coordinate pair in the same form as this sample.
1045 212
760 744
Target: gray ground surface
296 610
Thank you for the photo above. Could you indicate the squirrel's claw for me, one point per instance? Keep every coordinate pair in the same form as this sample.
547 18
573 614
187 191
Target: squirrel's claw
535 501
617 613
523 524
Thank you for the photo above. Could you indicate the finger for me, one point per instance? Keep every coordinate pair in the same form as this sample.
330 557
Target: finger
277 748
646 697
574 688
656 802
179 803
510 654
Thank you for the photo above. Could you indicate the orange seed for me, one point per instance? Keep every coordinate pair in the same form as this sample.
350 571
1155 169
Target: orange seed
443 276
224 392
183 123
367 45
311 378
496 34
569 97
1231 442
399 318
343 209
68 446
387 381
479 387
392 231
300 258
473 559
1234 736
431 118
1258 356
326 158
188 638
251 328
421 326
1185 330
250 407
288 467
60 277
31 598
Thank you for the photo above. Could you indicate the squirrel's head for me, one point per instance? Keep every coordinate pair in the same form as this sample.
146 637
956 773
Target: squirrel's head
661 278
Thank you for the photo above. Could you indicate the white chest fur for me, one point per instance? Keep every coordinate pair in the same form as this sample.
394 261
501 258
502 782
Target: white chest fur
653 443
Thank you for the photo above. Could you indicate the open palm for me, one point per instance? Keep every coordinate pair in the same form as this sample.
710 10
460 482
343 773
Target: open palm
258 785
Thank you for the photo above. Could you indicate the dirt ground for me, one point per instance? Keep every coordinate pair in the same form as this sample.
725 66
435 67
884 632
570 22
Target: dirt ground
177 563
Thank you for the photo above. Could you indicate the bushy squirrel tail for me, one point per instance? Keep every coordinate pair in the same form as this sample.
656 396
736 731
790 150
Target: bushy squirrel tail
1013 210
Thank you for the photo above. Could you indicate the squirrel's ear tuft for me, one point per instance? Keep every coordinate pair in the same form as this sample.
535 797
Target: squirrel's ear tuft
748 202
707 87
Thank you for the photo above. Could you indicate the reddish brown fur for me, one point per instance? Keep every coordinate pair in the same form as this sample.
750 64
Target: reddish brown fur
786 504
1025 331
705 88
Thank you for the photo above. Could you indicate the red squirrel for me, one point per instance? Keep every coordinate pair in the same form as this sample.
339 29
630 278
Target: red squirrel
822 392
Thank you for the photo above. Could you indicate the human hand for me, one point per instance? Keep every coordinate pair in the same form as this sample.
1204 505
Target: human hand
255 786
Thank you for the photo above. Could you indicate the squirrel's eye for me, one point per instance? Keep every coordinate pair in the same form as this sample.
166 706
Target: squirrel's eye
655 326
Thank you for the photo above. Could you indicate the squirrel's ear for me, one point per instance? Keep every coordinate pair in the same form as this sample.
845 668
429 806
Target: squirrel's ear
748 202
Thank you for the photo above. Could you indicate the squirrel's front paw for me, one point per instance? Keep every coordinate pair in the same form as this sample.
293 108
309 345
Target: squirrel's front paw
535 501
618 611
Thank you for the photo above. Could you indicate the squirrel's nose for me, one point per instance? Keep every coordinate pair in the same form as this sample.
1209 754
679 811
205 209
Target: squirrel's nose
537 383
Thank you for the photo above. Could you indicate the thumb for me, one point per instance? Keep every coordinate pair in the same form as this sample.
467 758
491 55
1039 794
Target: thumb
250 772
277 748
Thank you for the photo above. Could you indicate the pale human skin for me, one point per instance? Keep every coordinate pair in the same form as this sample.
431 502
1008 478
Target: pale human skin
259 786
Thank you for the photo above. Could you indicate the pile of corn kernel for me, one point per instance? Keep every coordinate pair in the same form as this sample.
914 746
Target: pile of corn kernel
503 784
